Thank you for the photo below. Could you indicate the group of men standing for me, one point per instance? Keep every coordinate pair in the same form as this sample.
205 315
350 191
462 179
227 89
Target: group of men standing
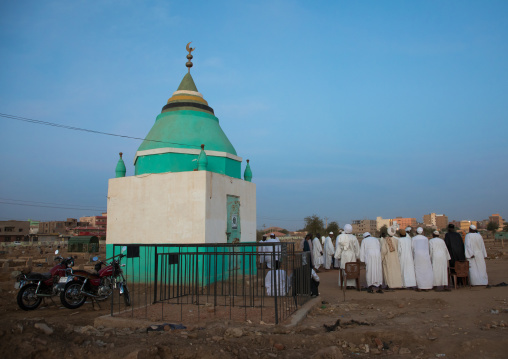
399 261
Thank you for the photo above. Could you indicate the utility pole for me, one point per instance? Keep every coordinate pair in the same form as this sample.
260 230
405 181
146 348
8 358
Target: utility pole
326 223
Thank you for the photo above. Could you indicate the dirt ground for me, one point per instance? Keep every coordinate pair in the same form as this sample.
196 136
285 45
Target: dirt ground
463 323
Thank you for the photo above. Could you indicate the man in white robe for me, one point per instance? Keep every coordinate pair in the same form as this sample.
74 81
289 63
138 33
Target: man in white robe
261 252
329 251
423 266
439 257
336 261
408 232
348 250
317 253
407 265
370 254
476 254
272 252
276 282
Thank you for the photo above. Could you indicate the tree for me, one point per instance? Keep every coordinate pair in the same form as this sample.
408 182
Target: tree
314 224
285 231
492 226
333 227
505 229
383 231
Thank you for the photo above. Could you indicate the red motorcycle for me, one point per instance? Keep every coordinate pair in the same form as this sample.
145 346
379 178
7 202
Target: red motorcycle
99 286
34 286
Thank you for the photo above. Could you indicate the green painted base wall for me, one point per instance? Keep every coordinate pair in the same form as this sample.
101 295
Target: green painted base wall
204 268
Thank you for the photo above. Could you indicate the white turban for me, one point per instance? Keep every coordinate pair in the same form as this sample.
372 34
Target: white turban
419 230
272 234
331 232
436 233
348 228
392 230
473 227
366 234
408 229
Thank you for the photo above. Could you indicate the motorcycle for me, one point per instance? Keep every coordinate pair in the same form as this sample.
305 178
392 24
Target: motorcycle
99 286
34 286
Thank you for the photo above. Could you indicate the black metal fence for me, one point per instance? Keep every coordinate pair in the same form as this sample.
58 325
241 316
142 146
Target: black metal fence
197 282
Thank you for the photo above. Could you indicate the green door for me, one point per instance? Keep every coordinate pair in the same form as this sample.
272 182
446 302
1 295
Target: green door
233 231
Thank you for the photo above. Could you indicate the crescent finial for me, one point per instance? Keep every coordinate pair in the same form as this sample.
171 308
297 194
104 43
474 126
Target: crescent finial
190 49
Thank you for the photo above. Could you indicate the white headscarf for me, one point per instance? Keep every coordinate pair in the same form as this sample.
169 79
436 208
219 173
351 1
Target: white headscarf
392 231
348 228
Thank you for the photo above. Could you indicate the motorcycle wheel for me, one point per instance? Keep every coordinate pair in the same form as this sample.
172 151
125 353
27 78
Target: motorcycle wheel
71 297
27 299
126 296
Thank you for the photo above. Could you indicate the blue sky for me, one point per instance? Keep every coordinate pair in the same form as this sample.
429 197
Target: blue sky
347 110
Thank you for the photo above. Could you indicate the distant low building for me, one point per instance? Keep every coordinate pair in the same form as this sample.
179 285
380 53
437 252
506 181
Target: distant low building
405 222
57 227
437 221
464 225
496 218
363 225
380 222
12 231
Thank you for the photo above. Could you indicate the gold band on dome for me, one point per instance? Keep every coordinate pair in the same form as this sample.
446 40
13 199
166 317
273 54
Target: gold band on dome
188 98
187 92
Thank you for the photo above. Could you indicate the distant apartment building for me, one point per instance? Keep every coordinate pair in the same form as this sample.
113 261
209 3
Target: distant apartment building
380 222
364 225
96 221
405 222
464 225
496 218
11 231
57 227
438 221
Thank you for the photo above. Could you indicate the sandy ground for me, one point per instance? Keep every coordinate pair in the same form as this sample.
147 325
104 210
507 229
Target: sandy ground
463 323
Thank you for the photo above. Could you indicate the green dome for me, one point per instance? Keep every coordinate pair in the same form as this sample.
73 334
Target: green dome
173 144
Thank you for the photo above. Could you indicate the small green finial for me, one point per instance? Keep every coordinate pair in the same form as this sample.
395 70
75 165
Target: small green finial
202 159
247 175
120 167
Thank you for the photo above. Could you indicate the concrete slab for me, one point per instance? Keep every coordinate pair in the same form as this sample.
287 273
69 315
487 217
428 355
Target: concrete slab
301 313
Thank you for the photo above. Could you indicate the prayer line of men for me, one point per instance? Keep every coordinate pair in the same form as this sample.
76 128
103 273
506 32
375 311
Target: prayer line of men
399 261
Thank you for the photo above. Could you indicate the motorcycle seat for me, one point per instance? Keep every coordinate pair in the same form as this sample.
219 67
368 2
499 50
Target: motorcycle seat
38 276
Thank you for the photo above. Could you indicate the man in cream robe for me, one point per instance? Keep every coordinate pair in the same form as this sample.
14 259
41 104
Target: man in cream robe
317 253
476 254
329 251
370 254
336 261
407 265
439 257
423 266
390 259
348 250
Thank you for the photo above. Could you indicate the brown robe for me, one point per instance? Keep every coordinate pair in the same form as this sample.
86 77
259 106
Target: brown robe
390 259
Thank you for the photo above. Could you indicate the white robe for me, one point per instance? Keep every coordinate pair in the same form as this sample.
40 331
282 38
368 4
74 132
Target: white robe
423 266
329 252
276 281
370 254
348 250
336 261
476 254
261 252
269 250
439 256
407 264
317 257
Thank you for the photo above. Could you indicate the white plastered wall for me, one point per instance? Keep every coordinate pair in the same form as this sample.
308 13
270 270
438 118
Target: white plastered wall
182 207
